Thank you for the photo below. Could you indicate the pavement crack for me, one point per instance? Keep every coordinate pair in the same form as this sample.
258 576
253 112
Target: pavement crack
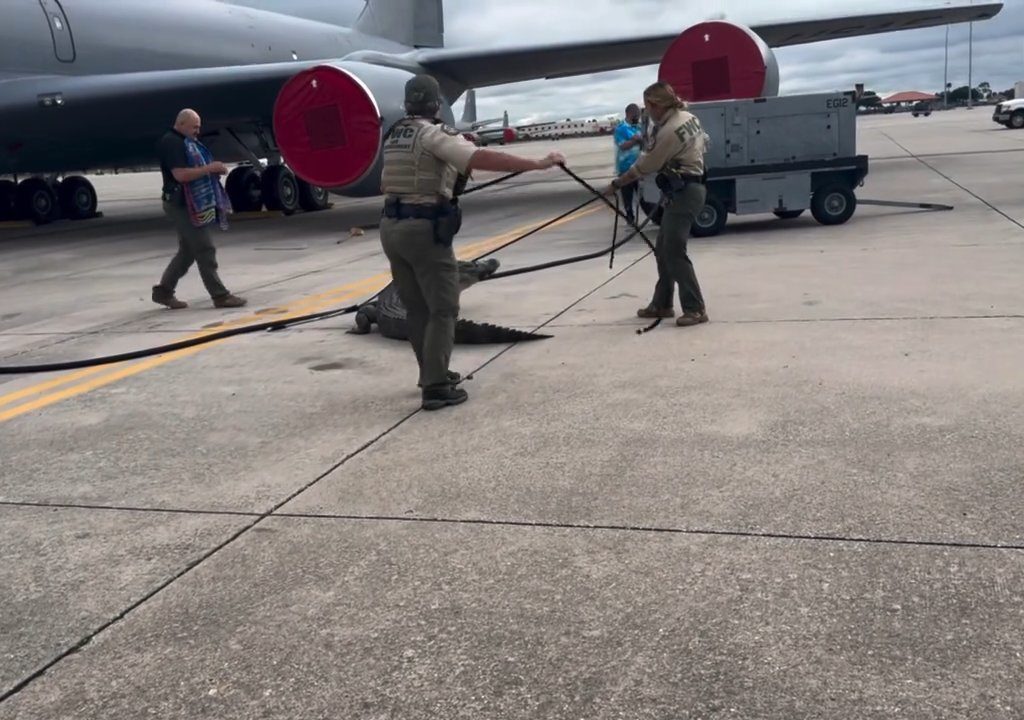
808 321
651 529
946 177
126 508
258 518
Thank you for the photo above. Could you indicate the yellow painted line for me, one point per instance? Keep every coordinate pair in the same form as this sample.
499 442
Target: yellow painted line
303 306
287 311
111 377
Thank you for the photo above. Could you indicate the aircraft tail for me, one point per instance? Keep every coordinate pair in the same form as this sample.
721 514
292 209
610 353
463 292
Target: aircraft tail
469 112
417 23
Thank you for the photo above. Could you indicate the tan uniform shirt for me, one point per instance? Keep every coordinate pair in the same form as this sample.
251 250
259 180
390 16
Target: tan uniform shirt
422 161
679 141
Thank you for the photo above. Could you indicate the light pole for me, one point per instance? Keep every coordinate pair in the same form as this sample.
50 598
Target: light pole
970 68
970 65
945 75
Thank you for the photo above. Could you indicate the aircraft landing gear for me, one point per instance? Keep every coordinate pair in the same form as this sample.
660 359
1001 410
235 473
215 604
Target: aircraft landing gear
245 189
280 189
43 200
36 200
275 188
77 198
8 193
313 197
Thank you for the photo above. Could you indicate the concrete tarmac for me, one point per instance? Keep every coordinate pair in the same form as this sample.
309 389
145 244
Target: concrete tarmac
808 508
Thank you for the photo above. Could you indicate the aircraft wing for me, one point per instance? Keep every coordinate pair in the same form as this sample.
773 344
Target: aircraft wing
53 123
496 66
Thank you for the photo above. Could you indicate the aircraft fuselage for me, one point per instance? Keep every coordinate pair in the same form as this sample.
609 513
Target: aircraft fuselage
42 41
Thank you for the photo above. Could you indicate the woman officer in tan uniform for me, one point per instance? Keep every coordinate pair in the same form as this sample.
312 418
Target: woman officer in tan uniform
676 153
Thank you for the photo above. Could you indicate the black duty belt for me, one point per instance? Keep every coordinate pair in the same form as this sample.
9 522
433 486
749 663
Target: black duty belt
398 210
686 177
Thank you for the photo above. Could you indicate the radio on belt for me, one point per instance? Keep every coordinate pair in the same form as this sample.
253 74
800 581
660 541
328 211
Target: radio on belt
780 155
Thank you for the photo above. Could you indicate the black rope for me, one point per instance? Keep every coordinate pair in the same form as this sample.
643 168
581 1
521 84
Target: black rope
280 324
606 201
180 345
615 234
650 327
492 182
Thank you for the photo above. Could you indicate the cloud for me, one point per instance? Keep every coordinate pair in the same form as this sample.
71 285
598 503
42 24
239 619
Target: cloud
908 60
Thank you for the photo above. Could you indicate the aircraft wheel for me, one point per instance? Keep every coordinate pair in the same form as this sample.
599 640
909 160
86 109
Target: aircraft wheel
77 198
313 197
245 189
8 192
280 189
37 201
711 219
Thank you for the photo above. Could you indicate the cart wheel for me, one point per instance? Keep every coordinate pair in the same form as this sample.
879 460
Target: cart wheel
833 204
711 219
788 214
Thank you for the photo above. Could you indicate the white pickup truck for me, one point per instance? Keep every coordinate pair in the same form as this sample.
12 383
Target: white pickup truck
1010 113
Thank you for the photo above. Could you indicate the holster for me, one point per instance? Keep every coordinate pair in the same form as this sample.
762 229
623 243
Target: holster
446 217
176 197
448 223
671 182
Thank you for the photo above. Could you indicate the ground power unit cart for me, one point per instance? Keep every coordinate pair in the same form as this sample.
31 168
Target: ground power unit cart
780 155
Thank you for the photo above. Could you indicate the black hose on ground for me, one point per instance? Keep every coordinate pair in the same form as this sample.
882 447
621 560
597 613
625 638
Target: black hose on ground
281 324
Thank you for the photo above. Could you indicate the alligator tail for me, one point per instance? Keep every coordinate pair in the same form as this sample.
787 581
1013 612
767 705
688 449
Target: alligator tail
468 332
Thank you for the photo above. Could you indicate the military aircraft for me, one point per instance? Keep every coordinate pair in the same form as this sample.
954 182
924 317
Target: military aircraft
89 85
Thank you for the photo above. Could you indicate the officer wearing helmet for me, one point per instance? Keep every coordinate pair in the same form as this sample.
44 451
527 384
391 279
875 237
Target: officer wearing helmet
424 160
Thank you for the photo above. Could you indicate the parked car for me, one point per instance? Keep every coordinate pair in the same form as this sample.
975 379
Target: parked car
921 108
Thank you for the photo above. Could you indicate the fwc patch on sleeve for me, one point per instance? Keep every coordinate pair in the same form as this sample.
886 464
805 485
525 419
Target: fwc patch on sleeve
449 130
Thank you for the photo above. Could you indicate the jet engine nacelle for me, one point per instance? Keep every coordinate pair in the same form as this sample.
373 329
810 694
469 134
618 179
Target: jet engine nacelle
330 120
719 60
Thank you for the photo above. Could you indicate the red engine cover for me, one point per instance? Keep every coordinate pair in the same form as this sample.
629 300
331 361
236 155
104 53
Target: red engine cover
718 60
327 126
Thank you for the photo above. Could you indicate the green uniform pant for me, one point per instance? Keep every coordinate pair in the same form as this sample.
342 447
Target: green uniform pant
194 245
674 265
426 276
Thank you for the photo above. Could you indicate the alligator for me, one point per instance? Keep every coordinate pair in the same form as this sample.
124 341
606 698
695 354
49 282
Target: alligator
388 313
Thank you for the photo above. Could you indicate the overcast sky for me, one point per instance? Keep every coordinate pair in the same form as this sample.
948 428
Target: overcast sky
908 60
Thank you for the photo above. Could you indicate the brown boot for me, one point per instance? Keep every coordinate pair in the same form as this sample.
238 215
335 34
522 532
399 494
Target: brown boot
689 317
229 301
652 312
163 296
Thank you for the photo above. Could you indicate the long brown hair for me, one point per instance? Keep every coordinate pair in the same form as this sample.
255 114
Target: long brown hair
662 95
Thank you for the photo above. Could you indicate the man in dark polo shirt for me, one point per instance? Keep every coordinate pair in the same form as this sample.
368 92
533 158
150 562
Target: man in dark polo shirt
194 243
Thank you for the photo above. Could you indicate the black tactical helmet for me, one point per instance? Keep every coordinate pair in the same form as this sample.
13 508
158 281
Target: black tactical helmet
422 95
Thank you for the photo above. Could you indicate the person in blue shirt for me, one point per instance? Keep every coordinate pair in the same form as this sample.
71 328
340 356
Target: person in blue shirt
628 142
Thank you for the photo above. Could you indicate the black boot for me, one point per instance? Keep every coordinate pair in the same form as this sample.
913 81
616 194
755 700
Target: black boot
437 397
453 377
